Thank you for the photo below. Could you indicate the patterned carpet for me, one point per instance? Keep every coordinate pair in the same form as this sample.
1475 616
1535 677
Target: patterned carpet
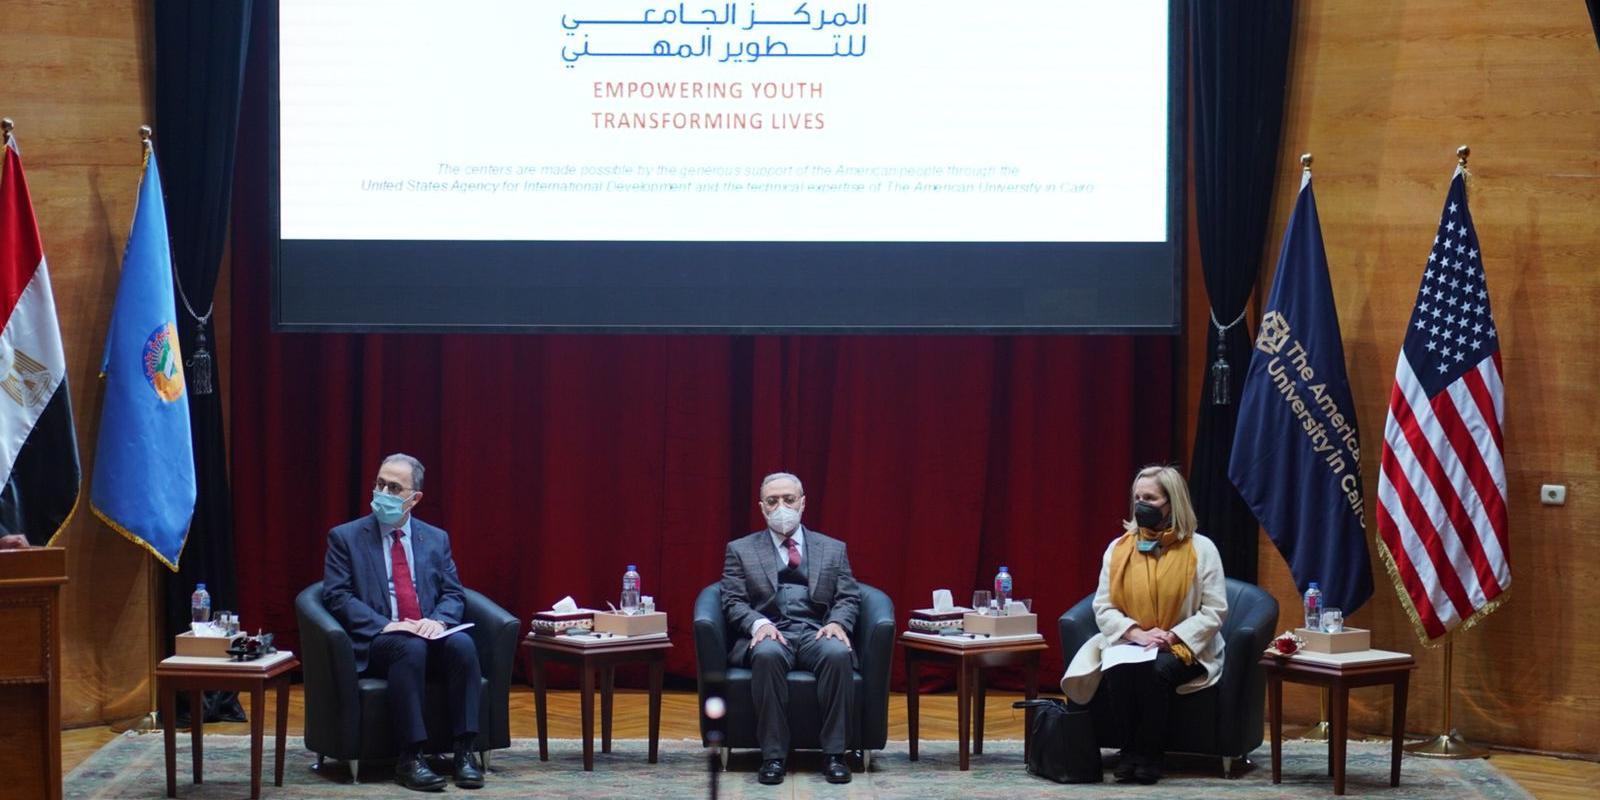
133 767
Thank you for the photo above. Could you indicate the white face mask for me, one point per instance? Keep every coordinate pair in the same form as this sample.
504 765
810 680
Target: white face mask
783 520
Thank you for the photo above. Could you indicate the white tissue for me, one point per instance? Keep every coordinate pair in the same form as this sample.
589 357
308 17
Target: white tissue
942 600
1013 608
565 605
205 629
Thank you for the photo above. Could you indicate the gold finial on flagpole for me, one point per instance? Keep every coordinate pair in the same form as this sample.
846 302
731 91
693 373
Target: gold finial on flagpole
1305 161
1462 154
5 127
144 134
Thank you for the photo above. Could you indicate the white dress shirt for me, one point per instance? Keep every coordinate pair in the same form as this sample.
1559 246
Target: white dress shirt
388 561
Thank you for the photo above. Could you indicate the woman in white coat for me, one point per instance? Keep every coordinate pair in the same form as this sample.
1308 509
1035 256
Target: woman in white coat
1161 590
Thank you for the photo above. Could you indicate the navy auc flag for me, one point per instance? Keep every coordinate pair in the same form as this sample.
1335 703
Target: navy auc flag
1296 453
1442 522
38 448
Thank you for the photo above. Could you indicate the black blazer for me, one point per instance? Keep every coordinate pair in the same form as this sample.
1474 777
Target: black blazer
355 585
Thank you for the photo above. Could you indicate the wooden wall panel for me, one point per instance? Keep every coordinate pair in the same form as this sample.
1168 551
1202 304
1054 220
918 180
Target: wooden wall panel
76 81
1382 92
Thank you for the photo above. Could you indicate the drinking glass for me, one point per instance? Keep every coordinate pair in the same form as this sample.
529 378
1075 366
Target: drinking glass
980 601
1332 620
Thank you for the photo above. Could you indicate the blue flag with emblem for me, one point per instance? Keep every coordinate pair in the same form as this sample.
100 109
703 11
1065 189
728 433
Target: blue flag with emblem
144 484
1296 454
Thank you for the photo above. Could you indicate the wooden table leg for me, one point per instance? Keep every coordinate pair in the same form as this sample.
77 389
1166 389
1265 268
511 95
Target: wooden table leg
1401 682
1275 710
169 732
197 731
913 694
536 674
586 704
258 724
1339 703
281 728
1031 688
963 711
657 665
980 695
608 679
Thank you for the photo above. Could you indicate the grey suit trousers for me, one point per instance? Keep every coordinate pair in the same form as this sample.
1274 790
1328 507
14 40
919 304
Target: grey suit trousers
770 663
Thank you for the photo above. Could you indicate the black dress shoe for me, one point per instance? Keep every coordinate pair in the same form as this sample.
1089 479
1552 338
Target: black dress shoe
835 769
771 772
1126 764
413 773
1148 771
468 773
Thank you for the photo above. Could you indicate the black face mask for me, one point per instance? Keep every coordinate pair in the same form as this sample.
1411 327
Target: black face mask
1148 516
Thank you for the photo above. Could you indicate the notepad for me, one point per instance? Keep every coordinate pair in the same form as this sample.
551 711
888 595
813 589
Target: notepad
1126 653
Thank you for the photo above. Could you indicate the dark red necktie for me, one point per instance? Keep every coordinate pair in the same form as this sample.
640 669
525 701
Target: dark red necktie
794 552
405 595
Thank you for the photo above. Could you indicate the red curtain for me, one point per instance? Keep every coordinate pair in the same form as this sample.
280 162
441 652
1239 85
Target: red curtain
555 461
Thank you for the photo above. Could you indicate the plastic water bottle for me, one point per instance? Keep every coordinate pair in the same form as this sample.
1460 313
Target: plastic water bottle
630 590
200 605
1002 588
1313 606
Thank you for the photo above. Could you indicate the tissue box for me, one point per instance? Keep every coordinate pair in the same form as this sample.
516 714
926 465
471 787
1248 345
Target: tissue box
552 623
1013 625
188 644
1349 640
630 624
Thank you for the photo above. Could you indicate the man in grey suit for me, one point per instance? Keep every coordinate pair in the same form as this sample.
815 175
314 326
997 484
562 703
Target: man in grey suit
391 582
790 592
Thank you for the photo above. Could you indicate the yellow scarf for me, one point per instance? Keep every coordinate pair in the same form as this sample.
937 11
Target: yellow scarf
1151 590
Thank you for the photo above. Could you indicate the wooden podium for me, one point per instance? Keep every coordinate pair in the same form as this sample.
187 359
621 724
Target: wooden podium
30 671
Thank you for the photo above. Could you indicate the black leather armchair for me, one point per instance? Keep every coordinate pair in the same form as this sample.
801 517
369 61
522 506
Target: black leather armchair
873 640
1224 720
347 716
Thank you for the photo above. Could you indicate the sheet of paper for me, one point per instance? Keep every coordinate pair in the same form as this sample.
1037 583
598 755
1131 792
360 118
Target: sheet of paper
1126 653
447 631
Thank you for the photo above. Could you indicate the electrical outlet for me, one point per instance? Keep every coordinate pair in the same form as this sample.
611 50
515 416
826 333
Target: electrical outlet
1553 494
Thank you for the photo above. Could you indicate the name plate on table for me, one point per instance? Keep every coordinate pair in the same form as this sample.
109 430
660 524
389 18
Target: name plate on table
1348 640
630 624
1011 625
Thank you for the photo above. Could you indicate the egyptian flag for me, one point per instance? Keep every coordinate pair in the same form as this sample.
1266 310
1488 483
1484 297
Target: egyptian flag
38 450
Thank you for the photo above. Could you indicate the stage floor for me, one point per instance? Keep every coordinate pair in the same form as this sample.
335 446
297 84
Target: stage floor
1542 776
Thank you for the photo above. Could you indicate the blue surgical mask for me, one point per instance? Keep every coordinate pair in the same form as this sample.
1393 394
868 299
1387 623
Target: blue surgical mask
388 508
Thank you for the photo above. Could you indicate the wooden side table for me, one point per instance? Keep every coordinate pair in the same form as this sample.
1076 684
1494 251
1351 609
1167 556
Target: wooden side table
969 663
1338 679
198 675
589 660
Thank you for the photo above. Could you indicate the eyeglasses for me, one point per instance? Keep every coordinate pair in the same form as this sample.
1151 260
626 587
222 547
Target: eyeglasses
389 487
771 501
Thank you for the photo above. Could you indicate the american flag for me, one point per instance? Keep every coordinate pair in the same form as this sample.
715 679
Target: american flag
1442 481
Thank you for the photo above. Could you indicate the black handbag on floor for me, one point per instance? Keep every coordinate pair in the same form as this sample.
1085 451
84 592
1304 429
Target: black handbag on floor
1063 747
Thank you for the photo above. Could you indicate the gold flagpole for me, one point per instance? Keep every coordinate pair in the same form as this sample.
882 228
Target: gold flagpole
1320 731
1449 743
150 722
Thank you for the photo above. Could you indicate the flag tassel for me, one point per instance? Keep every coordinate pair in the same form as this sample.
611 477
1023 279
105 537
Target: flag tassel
200 366
1221 372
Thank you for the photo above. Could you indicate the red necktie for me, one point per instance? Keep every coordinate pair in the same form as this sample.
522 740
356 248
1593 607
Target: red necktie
794 552
405 595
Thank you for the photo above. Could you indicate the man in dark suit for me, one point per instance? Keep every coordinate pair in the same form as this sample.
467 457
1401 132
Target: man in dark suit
790 592
391 582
